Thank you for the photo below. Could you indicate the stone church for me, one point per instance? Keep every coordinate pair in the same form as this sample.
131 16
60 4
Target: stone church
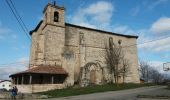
64 54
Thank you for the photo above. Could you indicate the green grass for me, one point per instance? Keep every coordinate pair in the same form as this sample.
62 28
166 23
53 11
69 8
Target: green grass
169 86
90 89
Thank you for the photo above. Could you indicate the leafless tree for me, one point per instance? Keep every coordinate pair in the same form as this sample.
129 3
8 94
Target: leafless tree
144 70
155 75
148 72
117 64
125 68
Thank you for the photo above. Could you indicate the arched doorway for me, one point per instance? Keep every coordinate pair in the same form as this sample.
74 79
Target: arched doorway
92 73
92 76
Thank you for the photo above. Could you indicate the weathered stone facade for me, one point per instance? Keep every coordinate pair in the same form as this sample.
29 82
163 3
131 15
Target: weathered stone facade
75 47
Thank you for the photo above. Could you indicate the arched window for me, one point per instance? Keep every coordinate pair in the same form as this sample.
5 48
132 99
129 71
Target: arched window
56 16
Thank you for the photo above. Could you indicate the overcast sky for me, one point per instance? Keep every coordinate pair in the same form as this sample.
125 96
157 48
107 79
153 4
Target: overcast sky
149 19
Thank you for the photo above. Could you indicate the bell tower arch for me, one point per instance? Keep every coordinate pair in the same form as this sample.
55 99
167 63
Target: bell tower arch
54 14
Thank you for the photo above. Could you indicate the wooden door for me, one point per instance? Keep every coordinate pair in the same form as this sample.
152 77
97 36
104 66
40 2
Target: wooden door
92 76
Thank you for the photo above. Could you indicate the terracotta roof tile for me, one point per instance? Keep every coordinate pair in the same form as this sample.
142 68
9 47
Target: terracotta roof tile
43 70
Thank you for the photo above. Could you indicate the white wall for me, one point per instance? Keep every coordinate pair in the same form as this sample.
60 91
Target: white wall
6 84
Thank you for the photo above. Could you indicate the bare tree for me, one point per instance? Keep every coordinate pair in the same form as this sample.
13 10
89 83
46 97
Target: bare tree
125 68
144 70
150 73
155 75
117 64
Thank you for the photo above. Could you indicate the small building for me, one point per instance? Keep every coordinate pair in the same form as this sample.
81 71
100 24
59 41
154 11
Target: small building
5 84
63 54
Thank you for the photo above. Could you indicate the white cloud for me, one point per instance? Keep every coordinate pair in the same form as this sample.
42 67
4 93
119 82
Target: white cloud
8 69
161 26
166 56
135 11
157 46
158 65
23 60
14 36
4 31
101 11
156 3
40 17
123 29
97 15
158 32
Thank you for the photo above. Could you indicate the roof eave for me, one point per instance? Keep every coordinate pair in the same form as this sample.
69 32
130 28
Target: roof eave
107 32
36 28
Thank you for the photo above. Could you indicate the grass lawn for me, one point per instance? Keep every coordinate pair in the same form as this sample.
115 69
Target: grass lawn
90 89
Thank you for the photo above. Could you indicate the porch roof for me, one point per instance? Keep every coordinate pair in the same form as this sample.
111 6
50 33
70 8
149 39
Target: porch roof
43 70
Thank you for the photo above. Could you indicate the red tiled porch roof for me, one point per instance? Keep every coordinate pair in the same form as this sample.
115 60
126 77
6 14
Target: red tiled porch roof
43 70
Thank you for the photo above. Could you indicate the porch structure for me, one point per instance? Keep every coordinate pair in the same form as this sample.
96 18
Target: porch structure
40 76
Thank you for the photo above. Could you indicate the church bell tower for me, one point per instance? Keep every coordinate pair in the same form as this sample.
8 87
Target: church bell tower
54 14
54 34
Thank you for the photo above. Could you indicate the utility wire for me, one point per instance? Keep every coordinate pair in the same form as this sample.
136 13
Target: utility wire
122 47
24 28
147 41
16 17
19 15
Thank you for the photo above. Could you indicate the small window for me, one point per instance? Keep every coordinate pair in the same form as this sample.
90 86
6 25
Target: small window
56 16
9 85
3 85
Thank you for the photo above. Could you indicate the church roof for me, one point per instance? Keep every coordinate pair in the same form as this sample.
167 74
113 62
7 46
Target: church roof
83 27
43 70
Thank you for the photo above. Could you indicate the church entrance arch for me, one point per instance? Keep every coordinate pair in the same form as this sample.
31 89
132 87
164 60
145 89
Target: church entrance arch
92 74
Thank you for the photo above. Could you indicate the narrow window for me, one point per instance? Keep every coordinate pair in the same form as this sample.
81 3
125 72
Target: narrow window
81 41
56 16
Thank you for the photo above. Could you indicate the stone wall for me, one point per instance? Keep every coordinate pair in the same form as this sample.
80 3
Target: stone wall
72 47
54 45
33 88
92 48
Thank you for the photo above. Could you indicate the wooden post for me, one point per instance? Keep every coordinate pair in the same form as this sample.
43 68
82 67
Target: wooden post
17 80
52 79
22 81
30 81
13 80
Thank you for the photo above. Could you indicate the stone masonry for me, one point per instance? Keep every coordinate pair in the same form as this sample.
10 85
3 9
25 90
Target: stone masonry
74 47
